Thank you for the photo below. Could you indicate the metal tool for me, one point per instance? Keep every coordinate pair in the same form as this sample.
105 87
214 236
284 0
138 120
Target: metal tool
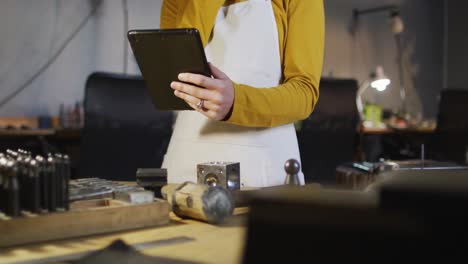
149 177
21 174
59 177
82 193
212 204
34 196
44 183
66 181
11 188
361 175
135 197
152 179
95 188
41 185
51 175
224 174
2 181
292 168
28 182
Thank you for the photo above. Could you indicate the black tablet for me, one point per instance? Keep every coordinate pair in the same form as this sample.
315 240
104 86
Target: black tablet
161 55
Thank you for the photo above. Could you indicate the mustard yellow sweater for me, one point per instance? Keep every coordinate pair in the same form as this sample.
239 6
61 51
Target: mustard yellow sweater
301 38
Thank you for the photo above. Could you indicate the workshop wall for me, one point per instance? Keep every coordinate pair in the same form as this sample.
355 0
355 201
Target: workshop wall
33 31
457 43
38 28
111 34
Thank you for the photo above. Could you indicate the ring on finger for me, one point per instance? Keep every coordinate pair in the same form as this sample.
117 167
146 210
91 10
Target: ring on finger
201 104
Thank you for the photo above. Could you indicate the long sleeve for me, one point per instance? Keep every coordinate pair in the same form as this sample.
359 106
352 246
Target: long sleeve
168 14
200 14
296 97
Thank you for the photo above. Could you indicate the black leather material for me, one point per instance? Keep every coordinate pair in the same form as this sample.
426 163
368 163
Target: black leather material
123 131
450 140
119 252
327 138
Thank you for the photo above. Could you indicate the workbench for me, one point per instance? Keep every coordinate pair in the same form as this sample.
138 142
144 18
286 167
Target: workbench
181 239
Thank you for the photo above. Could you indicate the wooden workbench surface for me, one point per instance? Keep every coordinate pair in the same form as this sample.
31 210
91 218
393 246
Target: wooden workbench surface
210 244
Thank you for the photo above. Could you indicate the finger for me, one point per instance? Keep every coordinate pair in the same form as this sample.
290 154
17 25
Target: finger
197 79
217 73
195 107
208 113
192 90
193 101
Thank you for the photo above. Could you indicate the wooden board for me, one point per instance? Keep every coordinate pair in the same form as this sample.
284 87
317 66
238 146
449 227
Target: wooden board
88 218
26 132
209 243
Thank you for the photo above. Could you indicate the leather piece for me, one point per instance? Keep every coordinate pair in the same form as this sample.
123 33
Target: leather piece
120 253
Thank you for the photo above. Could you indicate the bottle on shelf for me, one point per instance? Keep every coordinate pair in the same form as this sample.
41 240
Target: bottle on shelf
62 116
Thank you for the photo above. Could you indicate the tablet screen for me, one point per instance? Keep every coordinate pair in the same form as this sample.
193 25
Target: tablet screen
164 53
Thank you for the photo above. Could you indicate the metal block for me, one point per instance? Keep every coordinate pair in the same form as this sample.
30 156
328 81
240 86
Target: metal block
150 177
135 197
224 174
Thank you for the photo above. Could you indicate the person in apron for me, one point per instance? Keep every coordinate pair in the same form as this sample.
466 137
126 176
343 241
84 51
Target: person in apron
266 59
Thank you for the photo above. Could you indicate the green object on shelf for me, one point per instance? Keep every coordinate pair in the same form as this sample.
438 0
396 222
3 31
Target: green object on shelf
373 113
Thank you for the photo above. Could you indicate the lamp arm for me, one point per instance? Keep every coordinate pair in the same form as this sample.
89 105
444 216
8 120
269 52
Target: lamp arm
363 87
401 73
360 92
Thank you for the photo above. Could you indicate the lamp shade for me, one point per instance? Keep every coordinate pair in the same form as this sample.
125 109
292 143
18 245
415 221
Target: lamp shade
380 81
397 23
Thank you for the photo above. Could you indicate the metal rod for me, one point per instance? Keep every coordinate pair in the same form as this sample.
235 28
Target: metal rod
423 156
434 168
358 12
401 73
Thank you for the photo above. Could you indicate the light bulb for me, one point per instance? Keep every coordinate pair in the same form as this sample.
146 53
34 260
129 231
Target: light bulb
397 24
381 84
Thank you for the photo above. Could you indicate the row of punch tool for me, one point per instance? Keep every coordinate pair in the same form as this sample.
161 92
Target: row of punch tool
33 184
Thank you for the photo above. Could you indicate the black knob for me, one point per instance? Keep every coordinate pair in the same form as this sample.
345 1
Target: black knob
292 168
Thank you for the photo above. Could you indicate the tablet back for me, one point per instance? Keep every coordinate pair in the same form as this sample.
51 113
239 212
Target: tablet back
161 55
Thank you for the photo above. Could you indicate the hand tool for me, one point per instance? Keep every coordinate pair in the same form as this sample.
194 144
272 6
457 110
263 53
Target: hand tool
59 177
11 187
211 204
44 183
66 181
51 175
2 183
34 188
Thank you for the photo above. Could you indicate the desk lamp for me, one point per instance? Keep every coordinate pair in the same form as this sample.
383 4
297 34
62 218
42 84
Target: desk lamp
378 80
397 27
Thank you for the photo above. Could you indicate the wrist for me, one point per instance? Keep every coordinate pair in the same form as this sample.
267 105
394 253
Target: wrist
229 114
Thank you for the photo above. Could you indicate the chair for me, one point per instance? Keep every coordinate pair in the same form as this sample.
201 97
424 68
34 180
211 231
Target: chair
122 131
327 138
450 139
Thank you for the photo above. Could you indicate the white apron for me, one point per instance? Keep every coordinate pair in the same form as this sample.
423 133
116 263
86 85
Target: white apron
245 46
